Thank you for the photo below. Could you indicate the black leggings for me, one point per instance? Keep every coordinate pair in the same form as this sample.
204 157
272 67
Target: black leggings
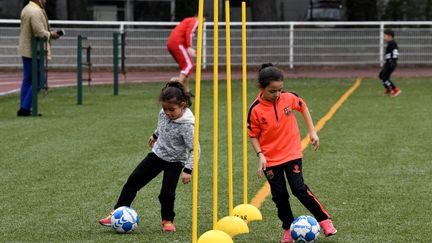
293 171
148 169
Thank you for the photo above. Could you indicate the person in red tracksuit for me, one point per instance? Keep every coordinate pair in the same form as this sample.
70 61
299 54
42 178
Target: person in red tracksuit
180 47
275 137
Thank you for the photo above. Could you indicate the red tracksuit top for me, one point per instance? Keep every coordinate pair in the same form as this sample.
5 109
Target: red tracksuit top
275 126
183 33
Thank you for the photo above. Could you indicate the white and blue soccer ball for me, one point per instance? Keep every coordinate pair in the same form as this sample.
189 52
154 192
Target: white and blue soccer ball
305 229
124 220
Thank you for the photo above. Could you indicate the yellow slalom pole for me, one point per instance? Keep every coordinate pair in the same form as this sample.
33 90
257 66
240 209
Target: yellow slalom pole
245 211
229 105
197 122
231 224
244 80
215 109
215 235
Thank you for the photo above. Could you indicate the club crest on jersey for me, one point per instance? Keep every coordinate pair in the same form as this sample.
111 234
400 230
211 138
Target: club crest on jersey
269 174
287 110
263 120
296 169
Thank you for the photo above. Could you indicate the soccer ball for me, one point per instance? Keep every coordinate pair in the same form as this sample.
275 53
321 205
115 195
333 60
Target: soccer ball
124 220
305 229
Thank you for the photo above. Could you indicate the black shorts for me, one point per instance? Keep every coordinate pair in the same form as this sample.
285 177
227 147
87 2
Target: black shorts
387 70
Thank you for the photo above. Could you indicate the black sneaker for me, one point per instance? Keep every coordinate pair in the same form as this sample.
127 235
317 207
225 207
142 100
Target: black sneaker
23 112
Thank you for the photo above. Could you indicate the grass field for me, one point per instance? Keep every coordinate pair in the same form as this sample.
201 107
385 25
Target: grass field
61 172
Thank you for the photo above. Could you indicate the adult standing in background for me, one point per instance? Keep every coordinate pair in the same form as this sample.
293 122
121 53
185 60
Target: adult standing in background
34 22
180 47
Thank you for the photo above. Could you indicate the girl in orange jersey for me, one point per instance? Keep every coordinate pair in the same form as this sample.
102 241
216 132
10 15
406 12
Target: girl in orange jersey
275 137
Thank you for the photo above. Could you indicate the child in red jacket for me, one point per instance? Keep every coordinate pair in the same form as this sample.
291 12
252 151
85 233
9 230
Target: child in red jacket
180 47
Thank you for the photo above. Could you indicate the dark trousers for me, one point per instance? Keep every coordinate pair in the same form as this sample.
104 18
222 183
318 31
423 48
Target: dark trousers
385 74
148 169
292 170
27 83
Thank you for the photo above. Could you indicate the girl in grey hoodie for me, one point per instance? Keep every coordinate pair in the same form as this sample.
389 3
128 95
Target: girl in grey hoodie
172 152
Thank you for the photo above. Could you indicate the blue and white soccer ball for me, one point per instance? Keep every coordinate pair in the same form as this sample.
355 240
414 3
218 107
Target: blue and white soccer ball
305 229
124 220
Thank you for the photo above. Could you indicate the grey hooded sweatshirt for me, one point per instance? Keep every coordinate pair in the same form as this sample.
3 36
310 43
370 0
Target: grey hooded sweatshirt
175 139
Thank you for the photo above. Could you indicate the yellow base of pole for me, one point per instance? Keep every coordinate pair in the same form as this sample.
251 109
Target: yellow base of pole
247 212
233 226
215 236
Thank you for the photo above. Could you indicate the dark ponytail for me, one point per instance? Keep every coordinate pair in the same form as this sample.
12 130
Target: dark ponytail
174 92
269 73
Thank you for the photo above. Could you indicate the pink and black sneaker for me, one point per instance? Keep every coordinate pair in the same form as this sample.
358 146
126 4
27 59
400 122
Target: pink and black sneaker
107 220
287 237
328 227
168 226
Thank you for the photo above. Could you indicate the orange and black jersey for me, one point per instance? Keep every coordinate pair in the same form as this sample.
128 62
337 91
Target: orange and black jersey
275 126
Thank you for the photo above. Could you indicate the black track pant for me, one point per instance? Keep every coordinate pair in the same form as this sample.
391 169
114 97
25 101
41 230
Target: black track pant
385 74
148 169
293 172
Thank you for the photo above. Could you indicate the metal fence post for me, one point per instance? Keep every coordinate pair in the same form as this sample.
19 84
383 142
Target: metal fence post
122 53
37 80
115 60
204 47
79 70
291 46
42 81
381 44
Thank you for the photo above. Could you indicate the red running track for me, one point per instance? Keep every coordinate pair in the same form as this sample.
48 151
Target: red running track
10 82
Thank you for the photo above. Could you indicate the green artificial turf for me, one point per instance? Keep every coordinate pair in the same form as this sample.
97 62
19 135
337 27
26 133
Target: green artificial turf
61 172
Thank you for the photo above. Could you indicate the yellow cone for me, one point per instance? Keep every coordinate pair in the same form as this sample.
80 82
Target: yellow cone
233 226
215 236
247 212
